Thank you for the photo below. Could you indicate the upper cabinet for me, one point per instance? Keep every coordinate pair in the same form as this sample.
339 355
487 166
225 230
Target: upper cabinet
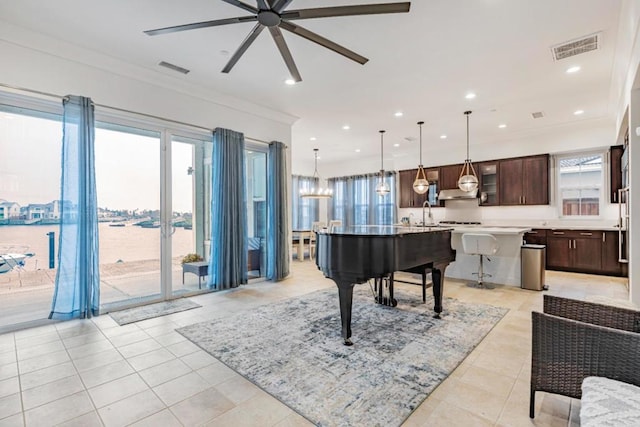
524 181
411 199
615 168
488 178
449 176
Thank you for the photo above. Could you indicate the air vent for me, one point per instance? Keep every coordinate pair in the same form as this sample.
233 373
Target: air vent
576 47
537 115
173 67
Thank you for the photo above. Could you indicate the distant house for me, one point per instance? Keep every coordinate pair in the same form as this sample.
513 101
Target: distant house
9 210
34 211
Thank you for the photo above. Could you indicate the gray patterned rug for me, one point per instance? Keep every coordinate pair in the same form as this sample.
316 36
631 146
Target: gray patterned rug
293 350
150 311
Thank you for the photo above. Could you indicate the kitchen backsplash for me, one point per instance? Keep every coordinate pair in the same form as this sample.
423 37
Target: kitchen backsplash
527 216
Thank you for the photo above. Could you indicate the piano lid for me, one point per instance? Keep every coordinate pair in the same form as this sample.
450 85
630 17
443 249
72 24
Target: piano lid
382 230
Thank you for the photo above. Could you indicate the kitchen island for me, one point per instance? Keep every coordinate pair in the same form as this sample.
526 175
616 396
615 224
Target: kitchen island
504 265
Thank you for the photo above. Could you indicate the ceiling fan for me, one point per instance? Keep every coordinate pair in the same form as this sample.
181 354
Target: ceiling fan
272 14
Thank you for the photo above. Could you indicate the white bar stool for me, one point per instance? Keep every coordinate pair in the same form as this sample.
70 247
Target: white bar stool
483 245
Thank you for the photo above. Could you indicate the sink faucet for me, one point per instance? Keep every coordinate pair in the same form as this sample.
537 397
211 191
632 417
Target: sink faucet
426 203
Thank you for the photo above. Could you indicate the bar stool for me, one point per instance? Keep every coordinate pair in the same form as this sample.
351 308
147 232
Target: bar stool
483 245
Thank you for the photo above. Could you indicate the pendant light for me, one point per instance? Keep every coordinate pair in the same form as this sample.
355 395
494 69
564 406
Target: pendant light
420 185
468 180
383 187
316 193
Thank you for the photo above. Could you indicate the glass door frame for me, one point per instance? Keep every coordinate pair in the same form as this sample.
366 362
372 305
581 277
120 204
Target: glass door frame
167 133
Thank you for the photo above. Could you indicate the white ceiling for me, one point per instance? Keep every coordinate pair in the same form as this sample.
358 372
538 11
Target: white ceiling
421 63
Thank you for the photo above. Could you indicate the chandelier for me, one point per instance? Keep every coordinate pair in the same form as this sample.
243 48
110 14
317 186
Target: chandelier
468 180
420 185
383 187
319 192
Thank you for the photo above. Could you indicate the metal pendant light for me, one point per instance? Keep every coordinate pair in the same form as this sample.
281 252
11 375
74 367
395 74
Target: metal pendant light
420 185
316 193
468 180
383 187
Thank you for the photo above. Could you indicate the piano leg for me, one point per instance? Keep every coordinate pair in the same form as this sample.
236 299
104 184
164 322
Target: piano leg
437 275
345 292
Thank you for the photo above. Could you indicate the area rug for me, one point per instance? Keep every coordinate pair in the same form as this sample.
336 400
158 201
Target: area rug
293 350
150 311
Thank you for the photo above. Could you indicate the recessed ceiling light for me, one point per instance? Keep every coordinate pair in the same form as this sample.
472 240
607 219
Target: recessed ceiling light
398 114
443 136
357 150
290 82
313 138
346 127
502 126
578 112
574 69
470 95
396 145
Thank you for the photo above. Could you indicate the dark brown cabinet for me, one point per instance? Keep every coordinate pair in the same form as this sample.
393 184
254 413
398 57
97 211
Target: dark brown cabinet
488 178
449 176
615 169
536 237
406 178
584 251
610 254
524 180
408 197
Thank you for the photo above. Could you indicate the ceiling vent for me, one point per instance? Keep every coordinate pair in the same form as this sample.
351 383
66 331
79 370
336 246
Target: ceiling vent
173 67
576 47
537 115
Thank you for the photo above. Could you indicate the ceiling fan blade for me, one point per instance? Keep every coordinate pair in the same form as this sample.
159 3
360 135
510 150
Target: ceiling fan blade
242 5
309 35
280 5
364 9
243 47
197 25
262 5
285 52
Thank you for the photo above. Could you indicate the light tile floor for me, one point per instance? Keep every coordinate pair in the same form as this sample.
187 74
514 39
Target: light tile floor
94 372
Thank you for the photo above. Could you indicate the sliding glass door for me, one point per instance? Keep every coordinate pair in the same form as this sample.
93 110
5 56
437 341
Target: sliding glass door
256 185
128 187
187 214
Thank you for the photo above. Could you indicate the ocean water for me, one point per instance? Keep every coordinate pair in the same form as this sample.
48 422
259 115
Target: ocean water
129 243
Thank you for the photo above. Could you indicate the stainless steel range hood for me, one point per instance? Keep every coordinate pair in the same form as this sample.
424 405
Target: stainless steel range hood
457 194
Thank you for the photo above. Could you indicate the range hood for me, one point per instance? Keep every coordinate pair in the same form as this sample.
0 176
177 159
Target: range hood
457 194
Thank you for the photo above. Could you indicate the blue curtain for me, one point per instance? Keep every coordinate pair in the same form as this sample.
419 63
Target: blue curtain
277 219
305 211
229 235
355 201
77 289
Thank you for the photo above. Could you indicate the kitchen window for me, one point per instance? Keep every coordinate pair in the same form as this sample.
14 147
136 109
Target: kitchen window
580 184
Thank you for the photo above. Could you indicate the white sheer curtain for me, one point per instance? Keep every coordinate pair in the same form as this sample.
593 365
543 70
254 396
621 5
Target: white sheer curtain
355 201
305 211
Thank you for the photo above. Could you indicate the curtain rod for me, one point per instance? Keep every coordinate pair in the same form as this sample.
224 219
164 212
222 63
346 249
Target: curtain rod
122 110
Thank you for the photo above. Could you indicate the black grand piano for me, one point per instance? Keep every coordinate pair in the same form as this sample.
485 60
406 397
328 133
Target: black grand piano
353 255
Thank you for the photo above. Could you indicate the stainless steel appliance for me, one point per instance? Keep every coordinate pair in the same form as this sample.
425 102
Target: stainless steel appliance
623 224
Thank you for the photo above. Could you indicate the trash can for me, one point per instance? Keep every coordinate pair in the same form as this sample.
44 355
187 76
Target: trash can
533 267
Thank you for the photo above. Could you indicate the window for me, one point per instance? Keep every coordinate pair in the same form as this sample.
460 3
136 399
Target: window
305 210
580 179
355 201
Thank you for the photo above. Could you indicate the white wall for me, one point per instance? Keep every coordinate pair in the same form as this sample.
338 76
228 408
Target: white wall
34 62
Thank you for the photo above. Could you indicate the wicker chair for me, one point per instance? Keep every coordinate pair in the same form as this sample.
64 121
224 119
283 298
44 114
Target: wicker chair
574 339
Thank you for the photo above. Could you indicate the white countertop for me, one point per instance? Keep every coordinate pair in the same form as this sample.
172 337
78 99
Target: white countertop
491 230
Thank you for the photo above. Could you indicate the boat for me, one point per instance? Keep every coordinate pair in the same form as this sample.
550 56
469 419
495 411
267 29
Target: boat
12 256
117 224
151 224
